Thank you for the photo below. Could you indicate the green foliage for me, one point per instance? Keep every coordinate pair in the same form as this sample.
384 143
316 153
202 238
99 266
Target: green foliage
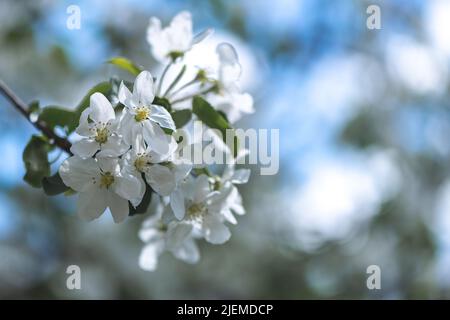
213 119
125 64
163 102
181 117
36 161
54 185
103 87
55 116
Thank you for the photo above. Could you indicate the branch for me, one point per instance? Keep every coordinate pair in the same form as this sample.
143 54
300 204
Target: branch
58 141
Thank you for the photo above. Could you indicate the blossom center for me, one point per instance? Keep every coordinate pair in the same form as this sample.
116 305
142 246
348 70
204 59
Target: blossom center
106 180
141 163
196 212
142 113
101 134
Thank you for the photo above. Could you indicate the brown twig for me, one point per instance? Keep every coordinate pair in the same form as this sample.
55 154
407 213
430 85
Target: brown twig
58 141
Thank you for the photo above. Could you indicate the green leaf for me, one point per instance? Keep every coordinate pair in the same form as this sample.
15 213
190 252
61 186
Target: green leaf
143 206
36 161
103 87
213 119
181 117
33 107
163 102
54 185
55 116
125 64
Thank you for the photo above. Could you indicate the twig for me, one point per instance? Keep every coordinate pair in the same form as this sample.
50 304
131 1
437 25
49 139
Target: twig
20 106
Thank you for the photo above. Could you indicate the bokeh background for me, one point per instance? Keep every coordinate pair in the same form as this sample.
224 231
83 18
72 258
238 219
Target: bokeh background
364 119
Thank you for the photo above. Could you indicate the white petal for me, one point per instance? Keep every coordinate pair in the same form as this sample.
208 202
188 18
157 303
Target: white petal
148 258
92 203
143 89
188 252
215 231
113 147
136 201
118 206
101 108
77 173
227 53
125 96
228 215
83 125
85 148
128 187
161 116
177 233
181 171
109 164
177 203
202 188
202 35
240 176
150 234
161 179
155 137
180 31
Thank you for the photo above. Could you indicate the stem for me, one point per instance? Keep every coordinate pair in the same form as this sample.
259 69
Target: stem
194 94
162 77
175 81
184 86
20 106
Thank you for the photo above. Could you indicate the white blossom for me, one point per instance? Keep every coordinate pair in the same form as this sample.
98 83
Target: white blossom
160 235
100 185
98 127
174 40
143 118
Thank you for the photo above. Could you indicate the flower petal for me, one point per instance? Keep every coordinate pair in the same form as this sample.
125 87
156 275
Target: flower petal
77 173
125 96
177 233
161 116
240 176
92 203
177 204
161 179
188 252
215 231
148 258
143 89
101 108
118 206
155 137
202 188
202 35
128 187
85 148
113 147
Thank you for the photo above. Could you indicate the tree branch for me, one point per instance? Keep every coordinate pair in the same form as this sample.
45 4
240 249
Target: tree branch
58 141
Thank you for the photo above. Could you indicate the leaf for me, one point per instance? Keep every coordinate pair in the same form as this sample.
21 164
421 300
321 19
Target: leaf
213 119
181 117
54 185
33 107
55 116
163 102
125 64
143 206
36 161
103 87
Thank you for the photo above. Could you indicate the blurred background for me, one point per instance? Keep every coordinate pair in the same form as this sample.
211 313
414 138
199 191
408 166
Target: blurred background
364 119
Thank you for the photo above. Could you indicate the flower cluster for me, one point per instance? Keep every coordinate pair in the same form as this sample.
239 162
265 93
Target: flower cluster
127 155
